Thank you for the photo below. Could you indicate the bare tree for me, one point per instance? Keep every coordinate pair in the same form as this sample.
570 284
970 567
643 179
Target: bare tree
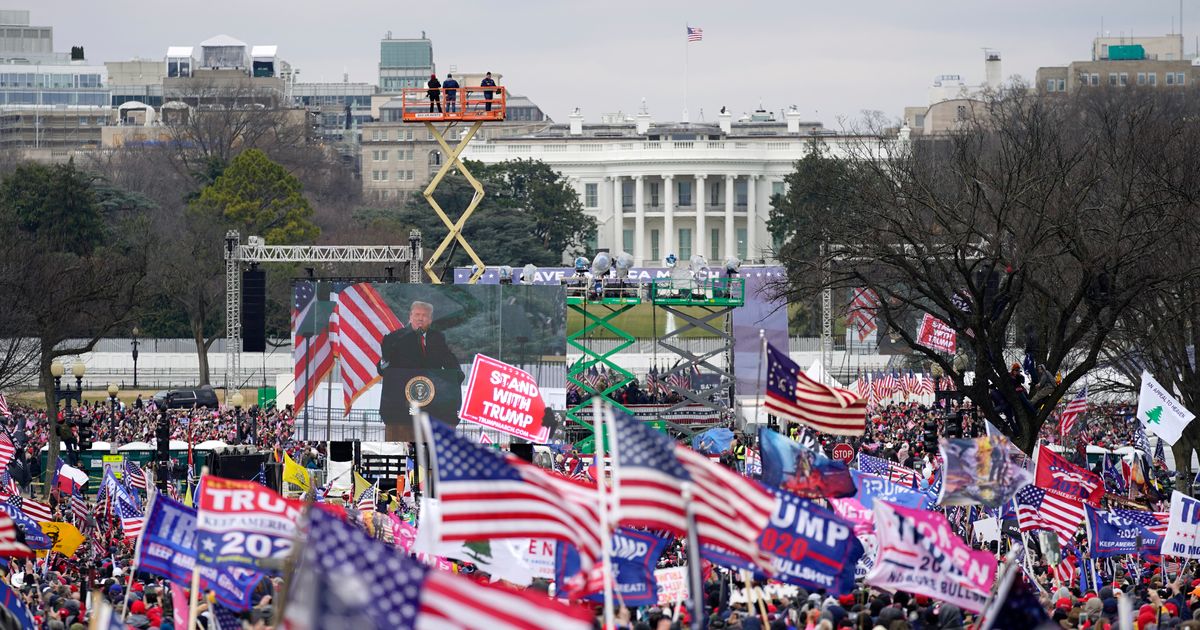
1037 220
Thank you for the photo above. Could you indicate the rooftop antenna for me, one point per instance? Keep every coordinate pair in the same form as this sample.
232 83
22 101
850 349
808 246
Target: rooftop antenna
644 109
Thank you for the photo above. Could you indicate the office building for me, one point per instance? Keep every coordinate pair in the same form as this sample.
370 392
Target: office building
404 63
952 100
1149 62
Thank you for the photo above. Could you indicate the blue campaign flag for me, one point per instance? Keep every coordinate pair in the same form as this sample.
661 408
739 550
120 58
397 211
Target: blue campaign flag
35 538
634 555
713 441
809 546
873 488
10 600
1120 532
801 471
168 549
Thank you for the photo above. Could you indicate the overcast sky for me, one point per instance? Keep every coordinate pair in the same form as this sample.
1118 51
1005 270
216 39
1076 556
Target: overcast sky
830 58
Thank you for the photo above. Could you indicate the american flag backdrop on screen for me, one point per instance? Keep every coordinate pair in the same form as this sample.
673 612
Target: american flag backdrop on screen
360 320
1073 412
793 395
730 511
1038 509
695 33
489 494
345 579
312 349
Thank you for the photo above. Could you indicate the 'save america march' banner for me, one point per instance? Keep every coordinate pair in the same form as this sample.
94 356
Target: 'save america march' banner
920 553
243 524
505 398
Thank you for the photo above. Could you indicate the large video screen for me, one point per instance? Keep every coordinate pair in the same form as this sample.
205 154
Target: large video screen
394 345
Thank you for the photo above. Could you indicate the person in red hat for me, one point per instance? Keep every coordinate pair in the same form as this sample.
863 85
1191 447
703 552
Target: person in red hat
435 93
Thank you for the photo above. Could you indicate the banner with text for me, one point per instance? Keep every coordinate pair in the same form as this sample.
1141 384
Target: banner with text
1183 530
936 334
1119 532
243 524
920 553
505 398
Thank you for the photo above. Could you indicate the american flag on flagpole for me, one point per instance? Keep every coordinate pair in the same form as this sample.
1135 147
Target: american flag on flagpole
79 507
1038 509
362 319
345 579
1065 571
730 511
134 475
1156 522
312 347
887 469
8 486
695 33
35 510
489 494
368 498
4 410
132 521
925 387
791 394
9 547
861 315
1073 412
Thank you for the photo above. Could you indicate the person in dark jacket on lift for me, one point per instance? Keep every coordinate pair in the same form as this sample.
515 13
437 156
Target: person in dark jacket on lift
451 87
487 82
435 93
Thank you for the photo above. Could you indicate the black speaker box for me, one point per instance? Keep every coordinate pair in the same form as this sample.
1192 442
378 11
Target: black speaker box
254 310
522 449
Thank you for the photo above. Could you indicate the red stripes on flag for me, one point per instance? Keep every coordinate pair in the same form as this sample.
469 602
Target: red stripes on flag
312 351
861 315
37 510
9 547
7 450
359 322
4 410
1073 412
825 408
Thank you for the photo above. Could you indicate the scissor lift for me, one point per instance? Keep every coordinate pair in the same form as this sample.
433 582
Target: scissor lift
476 105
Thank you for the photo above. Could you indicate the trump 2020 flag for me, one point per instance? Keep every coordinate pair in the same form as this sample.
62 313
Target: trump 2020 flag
1183 530
1159 412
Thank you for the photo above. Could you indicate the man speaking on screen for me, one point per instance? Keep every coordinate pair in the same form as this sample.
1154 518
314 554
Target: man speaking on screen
418 368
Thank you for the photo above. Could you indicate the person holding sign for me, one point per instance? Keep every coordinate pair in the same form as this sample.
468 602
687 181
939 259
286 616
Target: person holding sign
418 368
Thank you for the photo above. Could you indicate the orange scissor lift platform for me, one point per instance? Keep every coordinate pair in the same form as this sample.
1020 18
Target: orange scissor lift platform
470 104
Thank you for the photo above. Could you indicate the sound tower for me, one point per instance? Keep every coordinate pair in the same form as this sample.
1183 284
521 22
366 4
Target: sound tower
254 310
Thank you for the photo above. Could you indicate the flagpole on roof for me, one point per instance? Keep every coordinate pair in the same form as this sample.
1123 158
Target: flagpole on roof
598 432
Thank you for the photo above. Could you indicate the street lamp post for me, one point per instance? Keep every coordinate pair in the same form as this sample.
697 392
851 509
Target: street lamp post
113 390
135 343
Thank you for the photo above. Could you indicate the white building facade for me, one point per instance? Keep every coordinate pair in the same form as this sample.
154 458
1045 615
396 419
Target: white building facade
674 188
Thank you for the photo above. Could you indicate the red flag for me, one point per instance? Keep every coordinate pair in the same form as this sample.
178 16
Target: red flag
1058 476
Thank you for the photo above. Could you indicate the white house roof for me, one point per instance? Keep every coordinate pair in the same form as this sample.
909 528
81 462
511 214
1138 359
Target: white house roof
179 51
222 40
264 51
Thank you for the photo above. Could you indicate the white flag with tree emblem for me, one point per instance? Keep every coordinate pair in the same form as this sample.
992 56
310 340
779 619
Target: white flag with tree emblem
1159 412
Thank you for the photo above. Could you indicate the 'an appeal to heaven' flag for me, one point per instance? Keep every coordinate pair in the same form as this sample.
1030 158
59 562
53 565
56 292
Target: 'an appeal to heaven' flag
1058 476
920 553
791 394
1183 530
168 549
979 471
809 546
802 471
243 524
1159 412
347 580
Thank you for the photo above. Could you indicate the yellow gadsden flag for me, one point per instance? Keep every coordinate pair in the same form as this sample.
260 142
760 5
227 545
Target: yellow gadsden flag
66 537
295 474
361 485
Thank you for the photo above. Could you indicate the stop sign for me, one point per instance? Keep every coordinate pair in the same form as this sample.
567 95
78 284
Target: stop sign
843 452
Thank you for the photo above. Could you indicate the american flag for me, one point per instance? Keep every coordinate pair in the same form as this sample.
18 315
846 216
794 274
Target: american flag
132 520
7 450
1064 572
9 547
8 486
1038 509
862 385
888 470
925 388
1073 412
911 383
695 33
793 395
35 510
863 303
345 579
359 322
368 498
312 349
79 507
1156 522
134 475
489 494
4 410
879 387
730 511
